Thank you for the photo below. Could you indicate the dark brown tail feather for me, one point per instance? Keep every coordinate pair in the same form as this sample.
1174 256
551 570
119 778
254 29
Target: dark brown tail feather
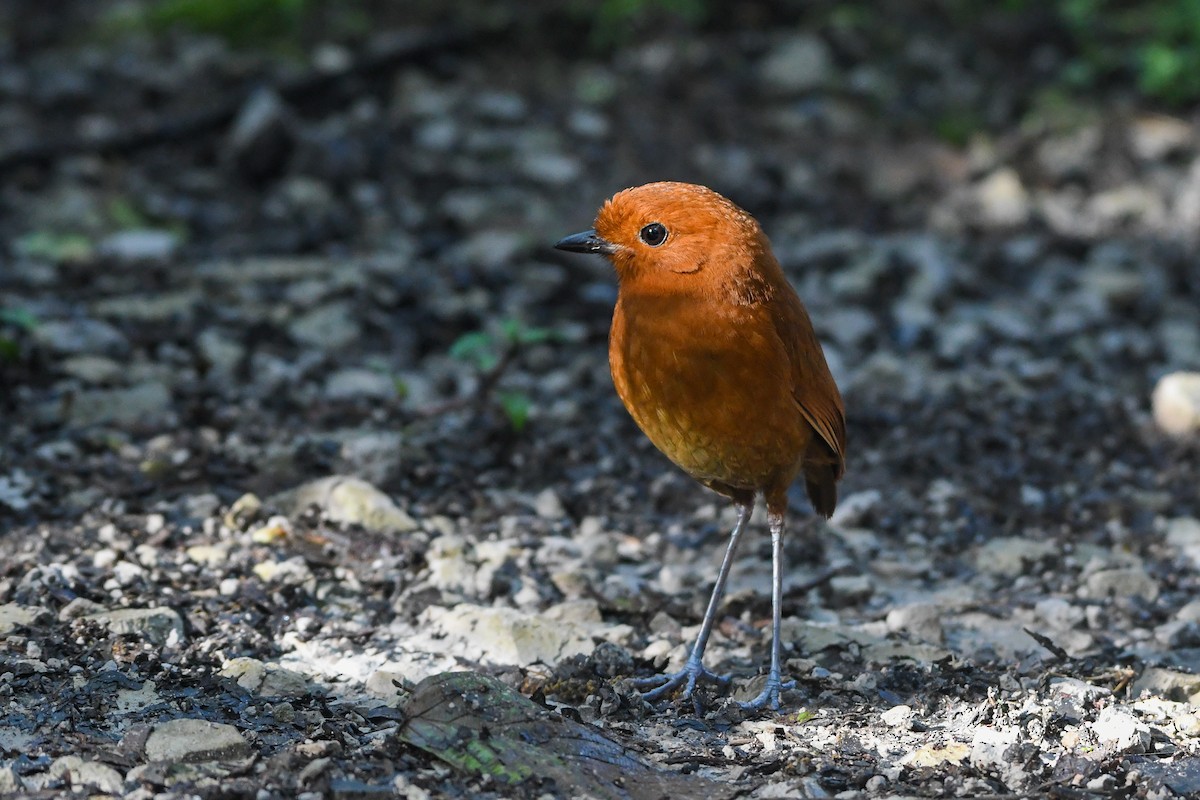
821 482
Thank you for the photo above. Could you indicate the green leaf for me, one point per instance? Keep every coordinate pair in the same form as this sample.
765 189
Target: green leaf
21 318
475 348
516 407
57 247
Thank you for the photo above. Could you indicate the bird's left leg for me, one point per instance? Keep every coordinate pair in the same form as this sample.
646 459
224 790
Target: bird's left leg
695 671
775 685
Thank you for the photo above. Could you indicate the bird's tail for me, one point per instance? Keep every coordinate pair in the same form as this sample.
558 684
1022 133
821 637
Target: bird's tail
821 482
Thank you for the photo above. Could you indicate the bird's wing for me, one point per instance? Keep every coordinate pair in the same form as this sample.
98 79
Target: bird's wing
813 386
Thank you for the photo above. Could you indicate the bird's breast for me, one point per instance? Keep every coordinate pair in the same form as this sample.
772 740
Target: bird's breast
710 387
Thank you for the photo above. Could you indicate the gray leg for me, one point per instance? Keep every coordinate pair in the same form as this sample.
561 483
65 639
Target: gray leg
775 685
694 670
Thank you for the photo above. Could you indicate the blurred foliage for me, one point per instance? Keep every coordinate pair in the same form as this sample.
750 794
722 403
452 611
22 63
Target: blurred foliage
615 21
57 248
15 326
491 353
275 24
1155 42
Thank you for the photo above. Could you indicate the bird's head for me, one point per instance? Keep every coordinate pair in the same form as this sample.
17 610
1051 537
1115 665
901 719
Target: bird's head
673 234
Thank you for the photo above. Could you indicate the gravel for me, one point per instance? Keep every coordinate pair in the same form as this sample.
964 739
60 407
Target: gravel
309 412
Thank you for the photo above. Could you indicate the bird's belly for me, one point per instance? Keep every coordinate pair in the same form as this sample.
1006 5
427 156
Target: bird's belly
712 415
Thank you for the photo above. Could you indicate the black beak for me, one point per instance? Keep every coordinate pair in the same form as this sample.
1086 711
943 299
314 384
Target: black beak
586 242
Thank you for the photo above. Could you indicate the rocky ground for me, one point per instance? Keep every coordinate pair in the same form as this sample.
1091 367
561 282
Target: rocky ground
301 409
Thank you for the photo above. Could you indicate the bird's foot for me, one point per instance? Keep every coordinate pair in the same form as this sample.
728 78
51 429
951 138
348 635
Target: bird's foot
769 696
694 672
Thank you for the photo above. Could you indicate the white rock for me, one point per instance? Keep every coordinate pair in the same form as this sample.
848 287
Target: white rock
88 773
988 745
1120 731
505 635
1002 199
897 716
798 64
195 740
1156 136
1176 403
351 501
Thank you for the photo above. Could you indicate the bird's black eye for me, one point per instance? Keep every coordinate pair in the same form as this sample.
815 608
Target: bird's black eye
653 234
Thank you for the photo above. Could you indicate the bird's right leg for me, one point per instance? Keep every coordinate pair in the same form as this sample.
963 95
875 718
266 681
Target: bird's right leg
694 671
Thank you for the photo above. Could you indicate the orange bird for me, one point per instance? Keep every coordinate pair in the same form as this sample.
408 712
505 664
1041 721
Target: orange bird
716 360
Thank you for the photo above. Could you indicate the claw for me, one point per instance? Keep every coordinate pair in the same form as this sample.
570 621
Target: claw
770 695
661 685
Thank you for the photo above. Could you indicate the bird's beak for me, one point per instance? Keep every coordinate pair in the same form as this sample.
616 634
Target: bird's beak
586 242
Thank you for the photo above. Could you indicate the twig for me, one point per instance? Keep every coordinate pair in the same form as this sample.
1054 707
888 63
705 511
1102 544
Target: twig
487 383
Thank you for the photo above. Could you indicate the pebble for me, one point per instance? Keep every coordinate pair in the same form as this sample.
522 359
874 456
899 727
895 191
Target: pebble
195 740
506 636
141 246
1120 731
798 64
1121 582
1168 683
897 716
80 336
94 775
327 328
350 501
354 382
921 620
1001 200
262 136
265 679
1010 556
13 616
146 404
159 626
1176 404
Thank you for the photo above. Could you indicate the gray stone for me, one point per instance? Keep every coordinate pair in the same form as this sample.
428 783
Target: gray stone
145 404
195 740
1120 582
796 65
262 136
140 246
13 615
1176 404
1010 556
79 336
264 678
547 505
354 382
1168 683
921 620
92 369
1074 699
222 354
328 327
160 626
